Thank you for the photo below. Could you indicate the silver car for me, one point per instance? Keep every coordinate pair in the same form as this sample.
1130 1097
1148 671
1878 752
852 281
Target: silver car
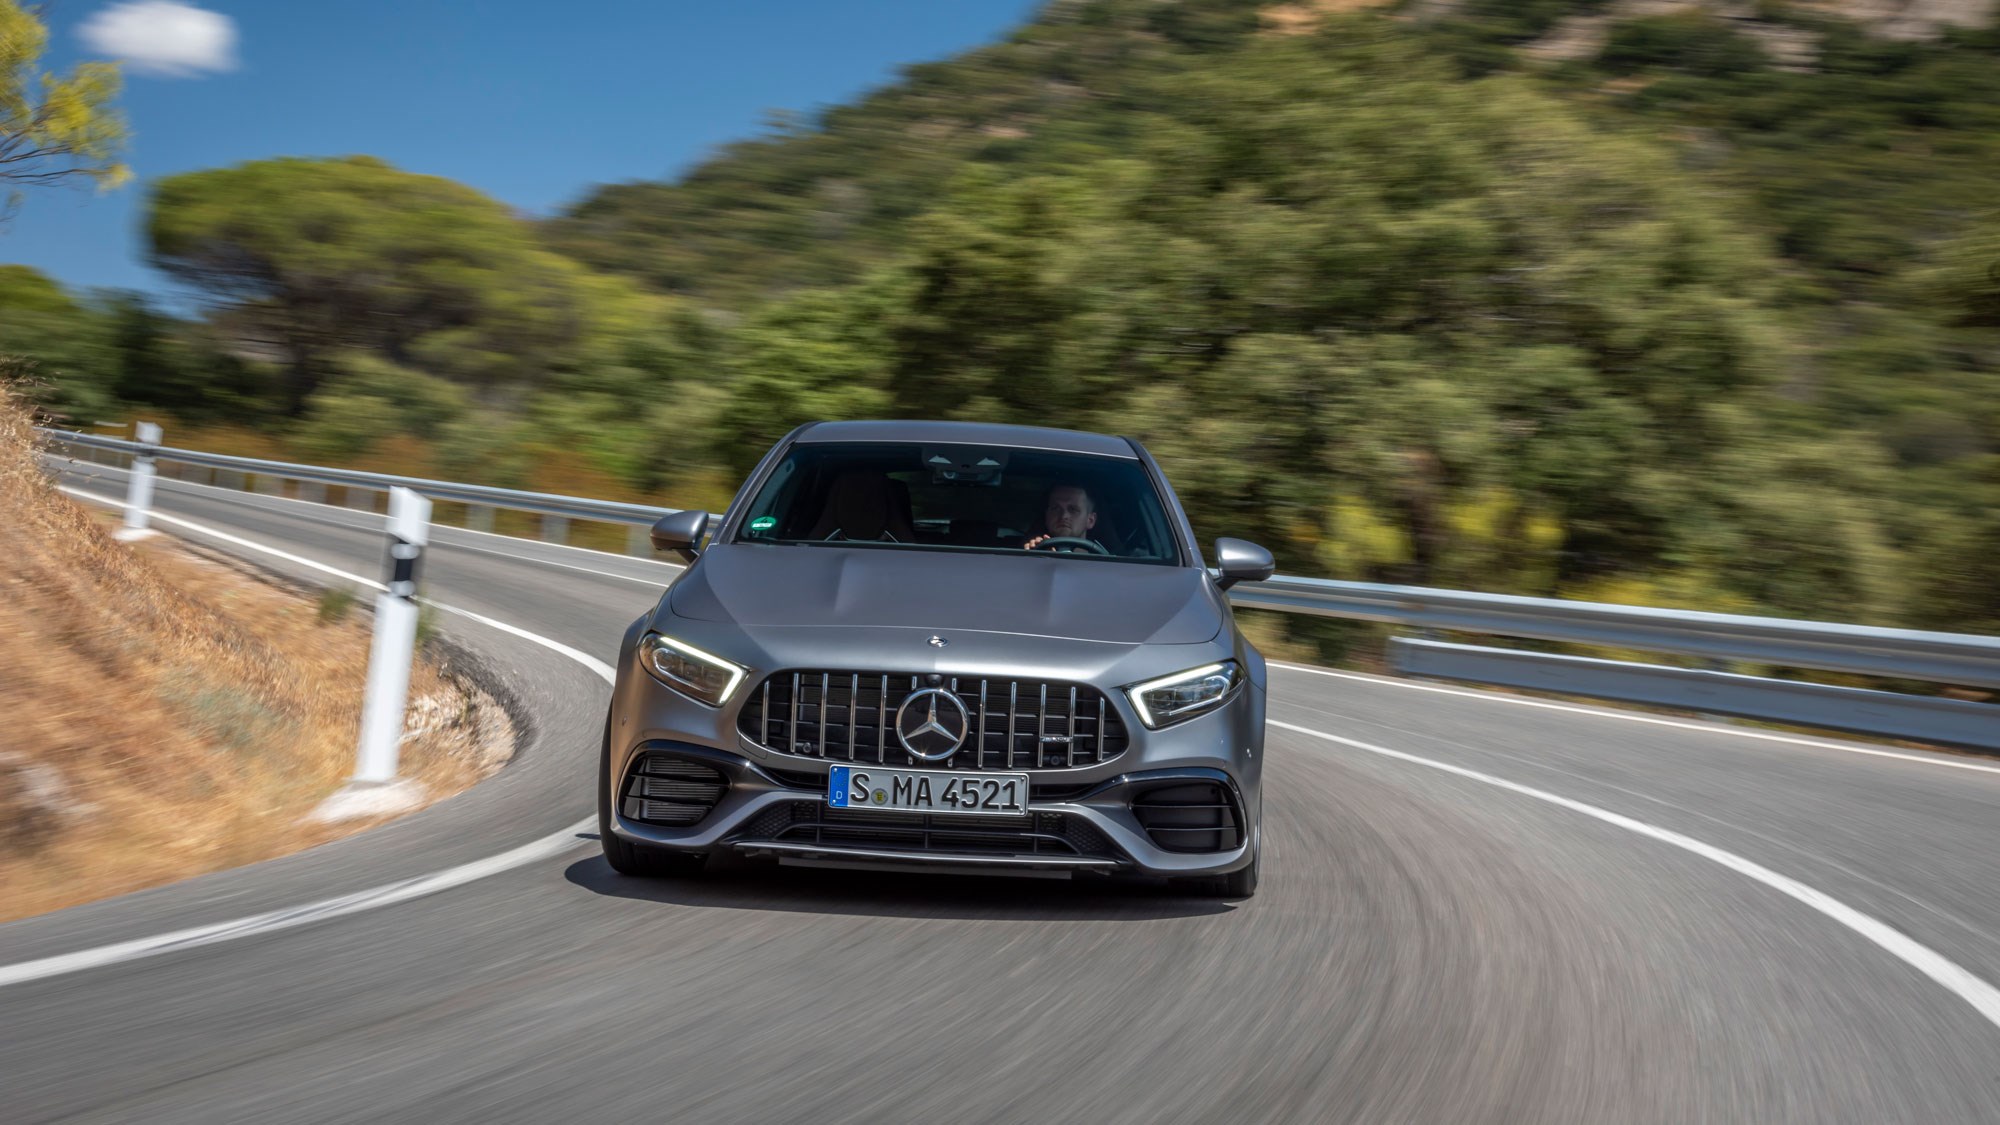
943 646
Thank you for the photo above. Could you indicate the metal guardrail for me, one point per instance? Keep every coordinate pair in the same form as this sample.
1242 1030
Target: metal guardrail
1907 654
481 500
1922 718
1718 638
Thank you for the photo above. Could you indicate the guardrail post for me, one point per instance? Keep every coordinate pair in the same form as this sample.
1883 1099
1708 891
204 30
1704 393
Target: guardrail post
362 499
139 487
312 491
374 791
639 540
479 517
555 529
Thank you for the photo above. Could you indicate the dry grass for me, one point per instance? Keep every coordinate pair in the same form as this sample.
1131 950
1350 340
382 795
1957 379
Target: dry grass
168 713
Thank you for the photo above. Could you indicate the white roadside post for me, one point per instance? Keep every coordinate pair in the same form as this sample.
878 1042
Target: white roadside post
375 791
139 487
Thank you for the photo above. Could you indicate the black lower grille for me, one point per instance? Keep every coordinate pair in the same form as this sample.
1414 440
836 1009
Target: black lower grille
1189 816
672 792
1014 724
809 822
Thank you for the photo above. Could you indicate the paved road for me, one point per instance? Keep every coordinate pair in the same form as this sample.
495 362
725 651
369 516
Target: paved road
1428 945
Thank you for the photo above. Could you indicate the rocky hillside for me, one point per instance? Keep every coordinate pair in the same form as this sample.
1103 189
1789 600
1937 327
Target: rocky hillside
1584 35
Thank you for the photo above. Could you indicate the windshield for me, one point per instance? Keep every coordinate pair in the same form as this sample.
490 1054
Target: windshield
912 496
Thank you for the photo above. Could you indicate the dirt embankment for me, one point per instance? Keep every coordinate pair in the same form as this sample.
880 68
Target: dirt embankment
165 713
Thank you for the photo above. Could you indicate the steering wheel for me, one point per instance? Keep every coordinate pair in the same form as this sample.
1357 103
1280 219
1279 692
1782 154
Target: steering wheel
1073 545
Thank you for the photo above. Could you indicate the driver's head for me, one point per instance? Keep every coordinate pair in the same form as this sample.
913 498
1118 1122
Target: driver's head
1069 512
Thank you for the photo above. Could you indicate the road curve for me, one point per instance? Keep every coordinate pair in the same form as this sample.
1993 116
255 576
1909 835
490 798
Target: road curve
1427 946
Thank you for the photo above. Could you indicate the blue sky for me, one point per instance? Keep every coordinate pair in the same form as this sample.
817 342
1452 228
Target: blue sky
529 102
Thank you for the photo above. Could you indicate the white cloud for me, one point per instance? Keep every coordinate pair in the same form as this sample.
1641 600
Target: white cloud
163 37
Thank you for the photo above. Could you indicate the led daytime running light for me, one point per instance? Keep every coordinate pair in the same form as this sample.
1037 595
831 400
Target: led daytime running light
735 672
1137 692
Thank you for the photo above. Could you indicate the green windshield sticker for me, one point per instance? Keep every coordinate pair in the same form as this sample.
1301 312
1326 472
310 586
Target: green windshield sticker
763 523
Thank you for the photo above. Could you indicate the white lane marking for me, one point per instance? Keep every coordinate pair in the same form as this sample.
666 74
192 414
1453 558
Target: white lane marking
656 583
204 529
370 899
557 547
1960 982
604 670
362 523
1630 717
1527 761
609 673
290 917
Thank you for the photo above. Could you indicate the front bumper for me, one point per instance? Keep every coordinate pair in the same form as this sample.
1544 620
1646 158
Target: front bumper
1071 828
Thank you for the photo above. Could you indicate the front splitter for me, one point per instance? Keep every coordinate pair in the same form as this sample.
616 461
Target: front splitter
825 855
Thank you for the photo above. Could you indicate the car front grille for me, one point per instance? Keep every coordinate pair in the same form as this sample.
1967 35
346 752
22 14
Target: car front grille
1195 816
1043 834
672 792
1015 724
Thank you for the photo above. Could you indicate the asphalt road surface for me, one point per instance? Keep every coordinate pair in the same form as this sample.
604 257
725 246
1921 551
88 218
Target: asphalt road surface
1474 909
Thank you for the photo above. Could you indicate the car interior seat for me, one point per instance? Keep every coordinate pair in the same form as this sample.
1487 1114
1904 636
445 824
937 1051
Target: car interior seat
866 506
1107 533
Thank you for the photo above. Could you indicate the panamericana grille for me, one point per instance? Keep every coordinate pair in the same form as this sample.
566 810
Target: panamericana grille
671 791
851 716
1192 816
813 822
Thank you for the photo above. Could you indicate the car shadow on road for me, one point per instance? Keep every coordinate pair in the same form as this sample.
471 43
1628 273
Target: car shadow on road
805 890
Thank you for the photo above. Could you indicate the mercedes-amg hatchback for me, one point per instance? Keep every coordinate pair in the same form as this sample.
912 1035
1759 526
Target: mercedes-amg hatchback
943 646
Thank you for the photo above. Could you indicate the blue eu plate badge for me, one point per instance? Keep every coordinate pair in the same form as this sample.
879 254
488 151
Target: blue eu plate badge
836 786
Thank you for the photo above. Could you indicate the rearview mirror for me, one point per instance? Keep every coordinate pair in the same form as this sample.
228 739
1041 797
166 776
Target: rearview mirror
680 533
1240 560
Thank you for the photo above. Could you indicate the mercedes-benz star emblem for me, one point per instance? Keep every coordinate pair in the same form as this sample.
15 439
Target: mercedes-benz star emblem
937 641
932 724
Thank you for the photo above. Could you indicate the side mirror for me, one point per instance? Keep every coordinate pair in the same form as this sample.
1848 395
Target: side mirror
680 533
1240 560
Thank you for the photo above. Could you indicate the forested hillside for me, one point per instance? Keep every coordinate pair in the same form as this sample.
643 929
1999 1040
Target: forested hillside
1674 303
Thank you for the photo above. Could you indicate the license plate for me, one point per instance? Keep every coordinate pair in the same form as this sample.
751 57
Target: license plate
928 791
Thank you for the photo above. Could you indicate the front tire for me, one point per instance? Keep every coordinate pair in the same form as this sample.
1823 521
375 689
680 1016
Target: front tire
625 857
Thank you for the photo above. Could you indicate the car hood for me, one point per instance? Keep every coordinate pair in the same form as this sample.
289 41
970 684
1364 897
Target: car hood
755 585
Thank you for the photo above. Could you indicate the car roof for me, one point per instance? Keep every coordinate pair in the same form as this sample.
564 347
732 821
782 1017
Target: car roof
970 433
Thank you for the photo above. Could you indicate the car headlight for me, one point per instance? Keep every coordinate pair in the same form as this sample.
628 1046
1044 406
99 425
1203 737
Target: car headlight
1183 695
701 676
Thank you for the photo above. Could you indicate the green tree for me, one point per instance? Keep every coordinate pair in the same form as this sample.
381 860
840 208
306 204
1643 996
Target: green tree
1959 560
1965 282
52 127
65 342
316 257
1353 301
371 398
813 356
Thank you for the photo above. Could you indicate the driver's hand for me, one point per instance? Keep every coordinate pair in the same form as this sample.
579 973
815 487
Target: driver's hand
1036 542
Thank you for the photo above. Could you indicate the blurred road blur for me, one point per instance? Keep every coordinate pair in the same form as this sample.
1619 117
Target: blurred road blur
1426 947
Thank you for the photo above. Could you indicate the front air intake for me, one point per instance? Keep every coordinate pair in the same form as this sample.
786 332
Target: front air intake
1190 816
671 792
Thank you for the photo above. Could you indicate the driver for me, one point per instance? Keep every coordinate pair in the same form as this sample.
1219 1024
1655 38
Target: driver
1070 513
